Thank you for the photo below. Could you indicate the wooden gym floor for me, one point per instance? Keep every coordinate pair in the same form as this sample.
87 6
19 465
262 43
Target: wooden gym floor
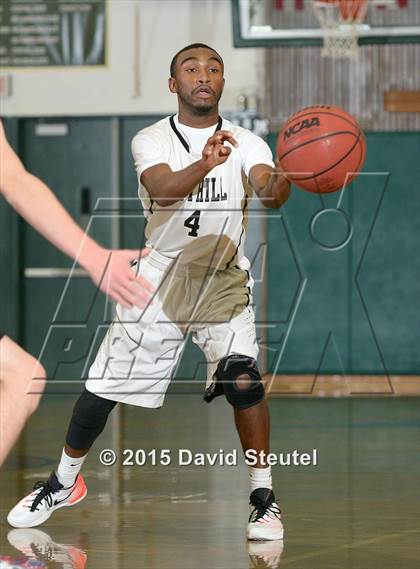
358 509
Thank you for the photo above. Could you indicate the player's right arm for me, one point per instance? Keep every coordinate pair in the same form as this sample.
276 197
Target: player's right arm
167 187
36 203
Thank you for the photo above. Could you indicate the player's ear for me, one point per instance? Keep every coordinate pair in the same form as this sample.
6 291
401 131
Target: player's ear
172 85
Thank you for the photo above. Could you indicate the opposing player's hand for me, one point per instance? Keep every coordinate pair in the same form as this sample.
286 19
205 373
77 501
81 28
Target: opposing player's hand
215 152
112 273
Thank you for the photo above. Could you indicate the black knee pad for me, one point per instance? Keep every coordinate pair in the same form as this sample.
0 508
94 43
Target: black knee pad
225 381
89 418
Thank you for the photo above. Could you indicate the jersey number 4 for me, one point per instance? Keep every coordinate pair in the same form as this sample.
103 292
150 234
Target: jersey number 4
193 223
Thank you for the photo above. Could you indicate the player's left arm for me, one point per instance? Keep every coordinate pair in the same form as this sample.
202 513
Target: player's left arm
270 184
266 178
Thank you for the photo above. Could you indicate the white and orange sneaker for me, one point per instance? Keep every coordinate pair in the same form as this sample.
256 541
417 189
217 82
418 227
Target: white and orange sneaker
48 496
265 519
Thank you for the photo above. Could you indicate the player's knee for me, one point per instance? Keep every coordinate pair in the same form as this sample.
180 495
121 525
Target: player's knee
237 376
91 411
243 381
89 418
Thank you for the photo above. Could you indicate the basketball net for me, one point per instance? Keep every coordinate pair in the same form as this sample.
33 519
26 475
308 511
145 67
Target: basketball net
340 21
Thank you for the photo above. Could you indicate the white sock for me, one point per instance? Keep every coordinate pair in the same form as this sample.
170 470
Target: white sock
260 477
68 469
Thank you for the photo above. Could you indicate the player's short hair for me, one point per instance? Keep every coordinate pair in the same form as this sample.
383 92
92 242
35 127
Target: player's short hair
186 48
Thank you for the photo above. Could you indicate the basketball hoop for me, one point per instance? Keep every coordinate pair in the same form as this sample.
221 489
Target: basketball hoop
341 21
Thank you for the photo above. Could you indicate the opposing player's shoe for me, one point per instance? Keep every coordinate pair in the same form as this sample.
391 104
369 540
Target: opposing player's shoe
265 519
36 544
47 496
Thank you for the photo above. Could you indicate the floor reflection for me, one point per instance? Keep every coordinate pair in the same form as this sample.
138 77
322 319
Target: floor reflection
265 554
38 545
40 551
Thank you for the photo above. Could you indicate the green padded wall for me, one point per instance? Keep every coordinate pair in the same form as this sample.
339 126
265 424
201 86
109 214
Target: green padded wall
61 317
132 220
352 306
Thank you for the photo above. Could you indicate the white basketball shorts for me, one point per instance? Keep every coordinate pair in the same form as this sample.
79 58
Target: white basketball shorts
142 347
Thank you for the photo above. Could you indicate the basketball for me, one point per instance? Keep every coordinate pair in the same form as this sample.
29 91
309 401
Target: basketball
321 149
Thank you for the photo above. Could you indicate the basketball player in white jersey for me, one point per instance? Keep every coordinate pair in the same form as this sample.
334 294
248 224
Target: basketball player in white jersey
196 173
22 377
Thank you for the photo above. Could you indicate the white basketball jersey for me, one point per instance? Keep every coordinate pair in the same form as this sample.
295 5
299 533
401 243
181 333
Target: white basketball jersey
207 227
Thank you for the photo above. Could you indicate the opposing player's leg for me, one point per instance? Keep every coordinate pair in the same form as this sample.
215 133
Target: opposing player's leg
22 381
236 376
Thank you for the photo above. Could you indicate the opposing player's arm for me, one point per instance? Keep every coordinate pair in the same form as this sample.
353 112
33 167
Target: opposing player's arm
270 184
36 203
166 187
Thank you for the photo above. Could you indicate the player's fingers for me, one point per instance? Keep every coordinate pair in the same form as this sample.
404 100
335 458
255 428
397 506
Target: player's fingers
226 136
136 254
129 297
139 297
124 273
225 150
133 256
233 142
279 169
278 165
222 136
118 298
145 251
143 299
121 301
145 284
137 288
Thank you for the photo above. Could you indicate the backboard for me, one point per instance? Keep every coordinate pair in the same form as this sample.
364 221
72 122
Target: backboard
265 23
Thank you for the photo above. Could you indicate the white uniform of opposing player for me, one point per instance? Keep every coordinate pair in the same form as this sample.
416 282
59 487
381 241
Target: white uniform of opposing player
198 266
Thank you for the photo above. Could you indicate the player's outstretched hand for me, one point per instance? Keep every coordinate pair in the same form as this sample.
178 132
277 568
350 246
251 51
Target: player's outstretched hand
112 273
279 169
215 152
281 187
